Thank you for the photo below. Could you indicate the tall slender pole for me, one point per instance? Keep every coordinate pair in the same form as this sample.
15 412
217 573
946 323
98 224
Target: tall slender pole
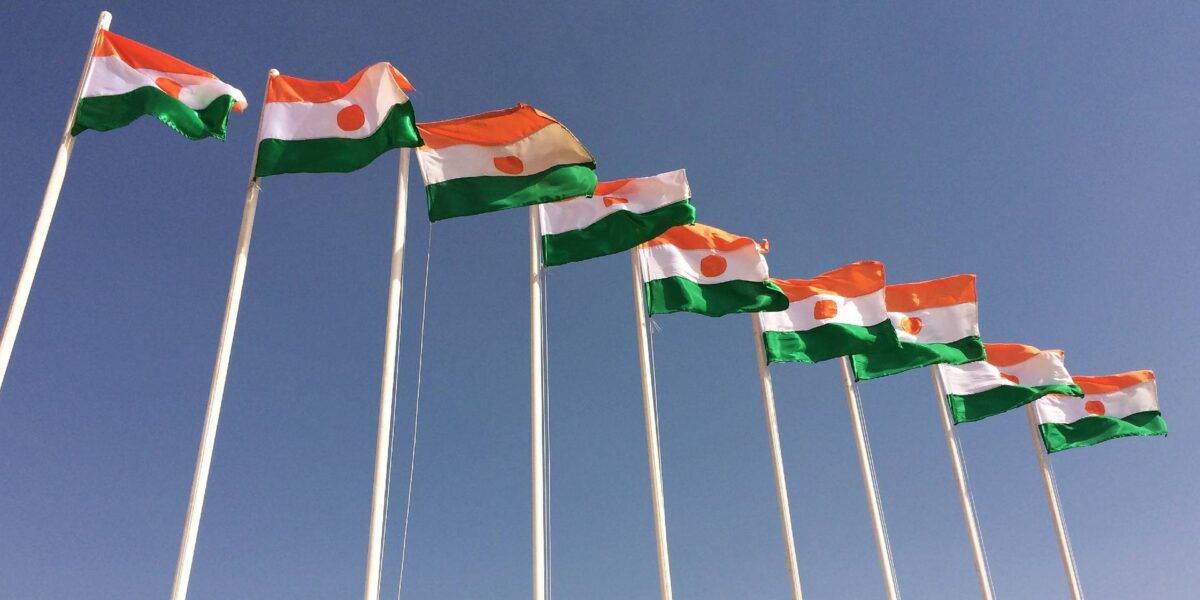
41 228
650 408
387 385
781 493
964 498
874 506
536 431
216 391
1060 525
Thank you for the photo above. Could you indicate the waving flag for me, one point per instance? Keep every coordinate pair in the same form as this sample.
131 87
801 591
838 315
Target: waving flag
937 321
507 158
618 216
1013 375
1112 406
127 80
334 126
701 269
838 313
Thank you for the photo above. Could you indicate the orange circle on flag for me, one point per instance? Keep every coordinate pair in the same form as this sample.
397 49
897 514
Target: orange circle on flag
713 265
912 325
1094 407
509 164
351 118
825 309
170 86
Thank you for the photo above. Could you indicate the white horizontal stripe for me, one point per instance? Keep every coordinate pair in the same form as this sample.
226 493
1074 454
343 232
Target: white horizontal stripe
1119 404
376 93
940 325
664 260
1046 368
111 76
971 378
547 147
643 195
864 310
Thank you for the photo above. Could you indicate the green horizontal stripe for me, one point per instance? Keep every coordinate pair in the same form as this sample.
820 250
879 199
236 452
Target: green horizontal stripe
104 113
827 341
912 355
338 155
615 232
973 407
679 294
1089 431
468 196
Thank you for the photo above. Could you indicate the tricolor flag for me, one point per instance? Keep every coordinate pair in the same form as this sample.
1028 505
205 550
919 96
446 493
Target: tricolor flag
518 156
1112 406
701 269
1013 375
127 80
937 321
333 126
838 313
618 216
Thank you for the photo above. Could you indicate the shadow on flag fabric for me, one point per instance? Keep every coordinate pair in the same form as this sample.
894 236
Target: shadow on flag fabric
838 313
127 80
334 126
937 321
701 269
1013 375
618 216
1112 406
508 158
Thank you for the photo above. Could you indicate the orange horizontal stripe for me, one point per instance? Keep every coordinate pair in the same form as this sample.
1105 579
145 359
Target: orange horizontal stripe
1003 355
607 187
495 128
141 56
1095 385
849 281
702 237
285 88
948 291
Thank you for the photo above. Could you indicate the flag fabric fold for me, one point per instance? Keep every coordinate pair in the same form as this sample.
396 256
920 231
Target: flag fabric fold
502 159
127 79
618 216
1013 375
838 313
334 126
1112 406
936 321
701 269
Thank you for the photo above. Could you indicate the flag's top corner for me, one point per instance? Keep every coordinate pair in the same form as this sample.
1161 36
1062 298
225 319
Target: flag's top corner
918 295
849 281
705 237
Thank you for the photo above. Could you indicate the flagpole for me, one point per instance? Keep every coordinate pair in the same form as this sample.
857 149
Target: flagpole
781 494
650 409
1060 525
41 228
964 498
387 386
874 506
537 432
216 391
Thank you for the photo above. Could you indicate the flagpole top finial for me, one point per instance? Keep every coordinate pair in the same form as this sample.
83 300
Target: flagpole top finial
105 19
273 73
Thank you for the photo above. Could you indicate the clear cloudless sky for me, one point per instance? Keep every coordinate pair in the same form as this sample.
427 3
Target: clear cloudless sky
1048 147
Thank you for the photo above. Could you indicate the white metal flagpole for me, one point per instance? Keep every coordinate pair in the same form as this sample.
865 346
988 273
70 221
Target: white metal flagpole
41 228
216 391
536 406
1060 525
781 494
387 386
960 476
874 506
650 408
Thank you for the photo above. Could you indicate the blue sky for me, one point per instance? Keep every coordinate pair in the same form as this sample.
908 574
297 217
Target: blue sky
1050 148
